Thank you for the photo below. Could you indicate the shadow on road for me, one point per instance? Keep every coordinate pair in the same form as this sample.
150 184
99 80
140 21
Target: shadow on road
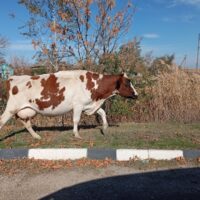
177 184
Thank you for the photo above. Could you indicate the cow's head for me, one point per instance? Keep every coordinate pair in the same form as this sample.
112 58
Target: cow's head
125 87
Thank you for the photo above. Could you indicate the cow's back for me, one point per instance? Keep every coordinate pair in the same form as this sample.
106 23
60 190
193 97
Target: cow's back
49 93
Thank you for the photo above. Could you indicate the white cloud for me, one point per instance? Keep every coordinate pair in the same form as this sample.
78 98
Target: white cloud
168 19
151 35
21 45
195 3
188 18
182 18
158 50
173 3
188 2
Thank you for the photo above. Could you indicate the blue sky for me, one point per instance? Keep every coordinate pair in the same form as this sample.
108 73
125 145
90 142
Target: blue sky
166 27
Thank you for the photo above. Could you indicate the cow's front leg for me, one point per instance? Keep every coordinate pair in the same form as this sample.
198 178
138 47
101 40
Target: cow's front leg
102 113
76 118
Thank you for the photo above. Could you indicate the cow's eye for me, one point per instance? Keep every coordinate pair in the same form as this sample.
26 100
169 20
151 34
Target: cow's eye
128 82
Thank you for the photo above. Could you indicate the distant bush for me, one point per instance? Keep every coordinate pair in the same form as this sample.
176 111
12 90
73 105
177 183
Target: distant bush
39 70
162 64
120 106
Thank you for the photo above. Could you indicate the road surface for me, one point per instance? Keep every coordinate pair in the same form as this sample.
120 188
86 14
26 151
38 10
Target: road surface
110 183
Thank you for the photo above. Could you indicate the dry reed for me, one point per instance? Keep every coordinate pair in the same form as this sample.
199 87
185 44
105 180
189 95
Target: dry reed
176 96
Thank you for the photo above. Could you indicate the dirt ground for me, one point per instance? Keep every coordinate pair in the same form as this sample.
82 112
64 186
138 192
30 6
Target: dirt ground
110 182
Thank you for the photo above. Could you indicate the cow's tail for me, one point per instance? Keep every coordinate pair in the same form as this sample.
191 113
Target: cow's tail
4 90
7 88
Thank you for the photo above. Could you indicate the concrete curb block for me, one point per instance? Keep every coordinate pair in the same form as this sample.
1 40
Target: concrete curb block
114 154
127 154
57 154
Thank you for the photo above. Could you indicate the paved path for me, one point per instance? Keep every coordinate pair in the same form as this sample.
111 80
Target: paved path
111 183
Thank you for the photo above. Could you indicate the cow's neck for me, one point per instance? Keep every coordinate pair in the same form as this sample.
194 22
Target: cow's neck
106 87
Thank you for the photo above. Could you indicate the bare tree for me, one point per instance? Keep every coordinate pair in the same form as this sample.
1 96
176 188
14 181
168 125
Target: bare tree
49 28
130 57
79 30
3 45
19 61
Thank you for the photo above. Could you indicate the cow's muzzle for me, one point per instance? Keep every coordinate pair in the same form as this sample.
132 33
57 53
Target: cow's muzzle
134 96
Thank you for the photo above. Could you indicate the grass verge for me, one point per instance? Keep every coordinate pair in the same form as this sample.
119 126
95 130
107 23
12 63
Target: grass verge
126 135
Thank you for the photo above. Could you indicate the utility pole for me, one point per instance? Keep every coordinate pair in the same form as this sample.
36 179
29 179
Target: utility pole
198 49
183 62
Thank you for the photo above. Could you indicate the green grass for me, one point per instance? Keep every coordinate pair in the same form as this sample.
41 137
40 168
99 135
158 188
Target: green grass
126 135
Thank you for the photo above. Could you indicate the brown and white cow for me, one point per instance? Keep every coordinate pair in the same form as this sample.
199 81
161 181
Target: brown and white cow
58 93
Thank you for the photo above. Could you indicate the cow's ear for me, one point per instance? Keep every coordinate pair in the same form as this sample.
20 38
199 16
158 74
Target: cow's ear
119 81
125 75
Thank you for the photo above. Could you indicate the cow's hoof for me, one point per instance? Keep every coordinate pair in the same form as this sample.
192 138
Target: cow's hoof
37 137
103 132
78 137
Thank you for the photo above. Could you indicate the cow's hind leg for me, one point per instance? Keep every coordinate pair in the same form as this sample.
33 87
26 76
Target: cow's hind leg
76 118
27 124
25 115
102 113
5 117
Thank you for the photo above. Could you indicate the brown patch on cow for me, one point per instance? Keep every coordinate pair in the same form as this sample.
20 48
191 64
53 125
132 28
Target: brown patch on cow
105 86
30 101
28 84
82 78
51 94
15 90
90 83
35 77
95 76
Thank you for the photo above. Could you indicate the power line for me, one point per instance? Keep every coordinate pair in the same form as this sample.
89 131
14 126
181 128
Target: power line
198 49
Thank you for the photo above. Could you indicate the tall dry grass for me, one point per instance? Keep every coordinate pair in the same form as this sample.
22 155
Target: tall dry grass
176 96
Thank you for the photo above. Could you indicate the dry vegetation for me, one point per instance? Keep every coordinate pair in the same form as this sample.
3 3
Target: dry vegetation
31 166
176 96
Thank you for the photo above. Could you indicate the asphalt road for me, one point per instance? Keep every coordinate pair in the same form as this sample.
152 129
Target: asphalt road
113 182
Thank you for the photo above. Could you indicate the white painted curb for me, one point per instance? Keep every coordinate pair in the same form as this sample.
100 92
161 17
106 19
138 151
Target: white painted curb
57 154
127 154
115 154
164 154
